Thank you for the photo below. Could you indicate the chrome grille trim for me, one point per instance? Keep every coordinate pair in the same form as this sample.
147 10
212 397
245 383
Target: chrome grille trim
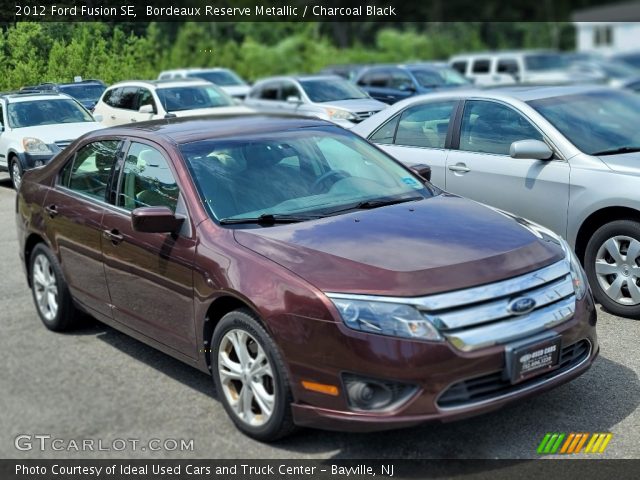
513 328
488 312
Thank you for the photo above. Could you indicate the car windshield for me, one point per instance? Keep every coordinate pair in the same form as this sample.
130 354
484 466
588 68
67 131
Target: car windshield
331 90
546 61
595 122
224 78
428 77
84 93
308 172
192 97
46 112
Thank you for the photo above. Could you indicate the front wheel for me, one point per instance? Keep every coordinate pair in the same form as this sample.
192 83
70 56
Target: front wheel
16 173
250 377
612 264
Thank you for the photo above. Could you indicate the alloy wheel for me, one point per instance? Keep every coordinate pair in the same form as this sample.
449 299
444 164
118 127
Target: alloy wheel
246 376
16 174
45 287
618 271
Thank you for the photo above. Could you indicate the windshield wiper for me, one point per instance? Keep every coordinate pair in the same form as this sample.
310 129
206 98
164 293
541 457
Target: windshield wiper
615 151
369 204
268 219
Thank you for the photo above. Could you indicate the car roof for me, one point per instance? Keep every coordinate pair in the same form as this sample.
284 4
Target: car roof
298 78
173 82
183 130
500 53
32 95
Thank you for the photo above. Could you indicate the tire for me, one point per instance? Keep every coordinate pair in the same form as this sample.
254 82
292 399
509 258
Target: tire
612 264
50 292
16 171
269 388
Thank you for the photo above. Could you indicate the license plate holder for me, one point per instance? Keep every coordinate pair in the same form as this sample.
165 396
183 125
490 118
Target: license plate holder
533 359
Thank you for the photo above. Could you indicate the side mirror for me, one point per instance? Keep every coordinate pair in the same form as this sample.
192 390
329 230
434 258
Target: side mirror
98 118
531 149
422 170
407 87
294 99
155 220
146 109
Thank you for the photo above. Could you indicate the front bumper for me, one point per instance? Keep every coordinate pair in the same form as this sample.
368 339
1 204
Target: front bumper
433 367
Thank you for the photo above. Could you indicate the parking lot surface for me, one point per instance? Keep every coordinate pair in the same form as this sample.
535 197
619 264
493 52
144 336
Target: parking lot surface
96 383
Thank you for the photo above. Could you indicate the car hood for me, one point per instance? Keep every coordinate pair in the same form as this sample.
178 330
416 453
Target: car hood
59 131
237 90
435 245
358 105
214 111
624 163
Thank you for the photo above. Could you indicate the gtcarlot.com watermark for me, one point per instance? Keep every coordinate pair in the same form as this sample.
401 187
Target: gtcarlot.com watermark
45 443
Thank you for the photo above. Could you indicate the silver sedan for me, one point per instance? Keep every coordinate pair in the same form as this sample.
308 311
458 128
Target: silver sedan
565 157
324 96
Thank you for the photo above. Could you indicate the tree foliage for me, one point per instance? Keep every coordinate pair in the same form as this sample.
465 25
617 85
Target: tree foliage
31 53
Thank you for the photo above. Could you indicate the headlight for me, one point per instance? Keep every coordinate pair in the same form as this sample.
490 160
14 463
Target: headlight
35 145
577 274
338 114
384 318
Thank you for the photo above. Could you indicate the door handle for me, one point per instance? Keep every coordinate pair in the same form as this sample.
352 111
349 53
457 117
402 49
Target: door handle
459 167
113 117
133 120
51 210
114 235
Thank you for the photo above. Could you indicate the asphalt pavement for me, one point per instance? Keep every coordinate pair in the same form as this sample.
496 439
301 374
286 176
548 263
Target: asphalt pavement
98 384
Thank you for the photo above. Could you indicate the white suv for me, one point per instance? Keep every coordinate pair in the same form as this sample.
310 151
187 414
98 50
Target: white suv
226 79
508 68
137 101
36 126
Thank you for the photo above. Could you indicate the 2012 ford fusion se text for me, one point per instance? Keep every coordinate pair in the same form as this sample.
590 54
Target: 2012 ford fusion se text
321 282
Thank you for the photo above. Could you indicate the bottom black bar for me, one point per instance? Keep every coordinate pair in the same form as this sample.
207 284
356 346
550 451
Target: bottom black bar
548 469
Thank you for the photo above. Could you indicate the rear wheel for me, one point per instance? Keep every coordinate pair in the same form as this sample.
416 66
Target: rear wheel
15 169
612 264
250 377
50 292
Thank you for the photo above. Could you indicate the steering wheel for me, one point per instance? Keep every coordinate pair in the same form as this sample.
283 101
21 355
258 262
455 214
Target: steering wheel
326 175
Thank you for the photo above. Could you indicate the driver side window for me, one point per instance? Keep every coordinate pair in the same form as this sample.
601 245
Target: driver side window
147 180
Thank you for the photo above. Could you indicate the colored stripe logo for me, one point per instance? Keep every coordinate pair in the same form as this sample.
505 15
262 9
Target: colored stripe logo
560 443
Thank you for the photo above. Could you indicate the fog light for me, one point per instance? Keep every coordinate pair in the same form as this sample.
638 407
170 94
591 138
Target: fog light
375 395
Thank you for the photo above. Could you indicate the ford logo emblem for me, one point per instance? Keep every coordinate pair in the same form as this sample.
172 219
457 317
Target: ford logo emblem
522 305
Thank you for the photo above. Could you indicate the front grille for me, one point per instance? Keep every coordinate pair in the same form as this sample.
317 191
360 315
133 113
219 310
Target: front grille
62 144
493 385
483 316
362 115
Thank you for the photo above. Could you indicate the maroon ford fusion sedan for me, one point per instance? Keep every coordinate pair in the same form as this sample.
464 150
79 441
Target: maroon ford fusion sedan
320 282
